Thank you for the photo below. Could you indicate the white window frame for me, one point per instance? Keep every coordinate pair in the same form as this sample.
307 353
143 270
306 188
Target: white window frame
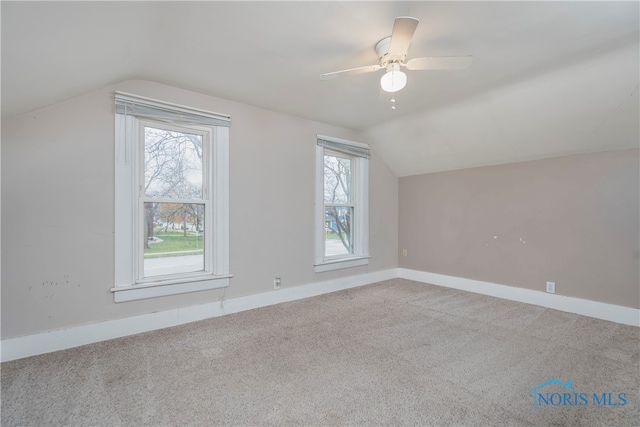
206 134
130 284
359 154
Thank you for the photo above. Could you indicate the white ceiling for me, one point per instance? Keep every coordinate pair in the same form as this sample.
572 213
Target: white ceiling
548 78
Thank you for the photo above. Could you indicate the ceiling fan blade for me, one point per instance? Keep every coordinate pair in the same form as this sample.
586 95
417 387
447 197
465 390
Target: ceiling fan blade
440 63
350 72
403 29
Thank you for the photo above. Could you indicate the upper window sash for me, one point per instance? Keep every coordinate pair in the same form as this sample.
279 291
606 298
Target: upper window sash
340 196
202 132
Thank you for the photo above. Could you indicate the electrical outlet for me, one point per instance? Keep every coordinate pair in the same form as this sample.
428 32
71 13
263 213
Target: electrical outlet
551 287
404 252
276 283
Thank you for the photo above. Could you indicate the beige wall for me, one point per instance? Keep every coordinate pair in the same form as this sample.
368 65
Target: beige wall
572 220
58 193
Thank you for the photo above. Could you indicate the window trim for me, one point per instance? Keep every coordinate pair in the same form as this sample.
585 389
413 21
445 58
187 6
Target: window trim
128 171
359 153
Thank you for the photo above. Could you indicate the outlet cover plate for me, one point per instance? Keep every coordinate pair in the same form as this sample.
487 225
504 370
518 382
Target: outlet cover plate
551 287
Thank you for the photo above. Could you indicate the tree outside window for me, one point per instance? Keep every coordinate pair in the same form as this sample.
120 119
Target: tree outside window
338 202
173 201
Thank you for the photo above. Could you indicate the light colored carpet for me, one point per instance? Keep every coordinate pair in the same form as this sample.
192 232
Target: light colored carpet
393 353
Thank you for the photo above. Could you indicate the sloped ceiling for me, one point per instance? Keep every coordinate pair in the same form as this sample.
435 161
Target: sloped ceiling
548 78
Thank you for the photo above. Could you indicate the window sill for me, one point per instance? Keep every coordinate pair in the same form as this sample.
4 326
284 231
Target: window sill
341 263
153 290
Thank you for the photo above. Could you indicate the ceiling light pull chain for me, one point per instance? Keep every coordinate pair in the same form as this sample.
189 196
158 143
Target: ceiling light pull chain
393 101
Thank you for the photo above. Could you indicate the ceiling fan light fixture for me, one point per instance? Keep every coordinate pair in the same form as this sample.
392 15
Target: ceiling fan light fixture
394 79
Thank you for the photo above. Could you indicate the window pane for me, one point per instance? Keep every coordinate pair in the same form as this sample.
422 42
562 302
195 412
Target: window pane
174 238
337 179
172 164
338 231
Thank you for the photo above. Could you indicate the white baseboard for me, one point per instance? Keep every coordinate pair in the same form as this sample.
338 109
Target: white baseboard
46 342
599 310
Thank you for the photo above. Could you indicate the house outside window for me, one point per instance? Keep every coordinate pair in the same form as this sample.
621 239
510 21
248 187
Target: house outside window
342 204
171 205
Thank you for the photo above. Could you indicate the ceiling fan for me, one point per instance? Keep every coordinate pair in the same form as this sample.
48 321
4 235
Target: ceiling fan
392 52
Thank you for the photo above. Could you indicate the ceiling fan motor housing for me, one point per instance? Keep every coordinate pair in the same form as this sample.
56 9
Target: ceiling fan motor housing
382 49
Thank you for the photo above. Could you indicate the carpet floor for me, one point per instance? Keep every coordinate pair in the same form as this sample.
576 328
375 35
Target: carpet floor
393 353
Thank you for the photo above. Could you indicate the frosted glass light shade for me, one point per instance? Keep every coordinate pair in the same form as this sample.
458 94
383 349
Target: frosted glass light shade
393 81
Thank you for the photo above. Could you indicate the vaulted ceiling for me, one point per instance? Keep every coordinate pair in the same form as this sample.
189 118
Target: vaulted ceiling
548 78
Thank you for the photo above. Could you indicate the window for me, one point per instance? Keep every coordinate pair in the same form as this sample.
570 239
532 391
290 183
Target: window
171 199
342 203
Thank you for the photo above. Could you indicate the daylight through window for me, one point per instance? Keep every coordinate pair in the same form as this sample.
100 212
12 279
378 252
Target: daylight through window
174 201
338 205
